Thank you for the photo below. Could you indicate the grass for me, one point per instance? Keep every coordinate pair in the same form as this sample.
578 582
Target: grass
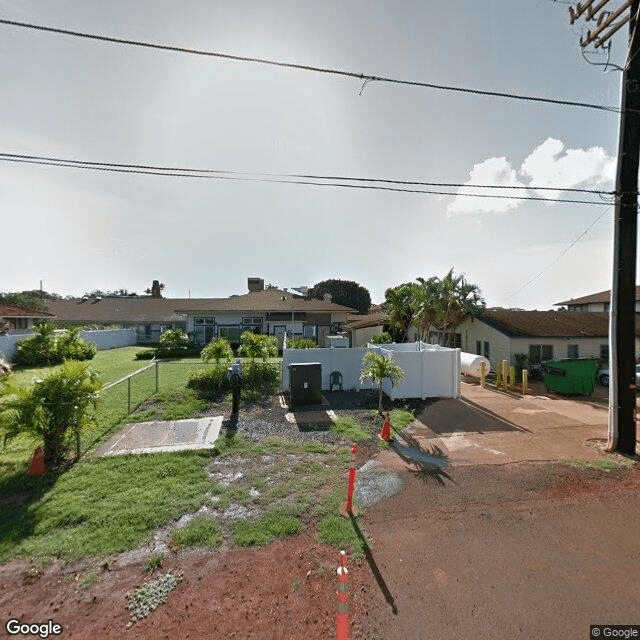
608 464
202 531
348 428
105 506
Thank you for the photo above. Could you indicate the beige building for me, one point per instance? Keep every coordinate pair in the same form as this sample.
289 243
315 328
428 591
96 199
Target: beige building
598 302
541 335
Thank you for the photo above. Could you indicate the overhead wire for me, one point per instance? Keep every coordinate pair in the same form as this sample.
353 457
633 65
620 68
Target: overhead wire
563 253
307 179
304 67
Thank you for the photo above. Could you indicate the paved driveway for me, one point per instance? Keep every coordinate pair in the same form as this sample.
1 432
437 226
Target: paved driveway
486 426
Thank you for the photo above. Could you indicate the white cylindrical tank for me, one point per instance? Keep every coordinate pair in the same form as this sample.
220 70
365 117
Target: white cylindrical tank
470 364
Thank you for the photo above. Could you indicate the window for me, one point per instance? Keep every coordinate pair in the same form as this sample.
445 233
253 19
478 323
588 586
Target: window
572 351
252 321
604 355
539 353
486 350
606 306
479 347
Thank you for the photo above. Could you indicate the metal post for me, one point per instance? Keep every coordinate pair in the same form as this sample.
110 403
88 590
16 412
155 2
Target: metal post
483 374
78 425
525 381
157 375
129 395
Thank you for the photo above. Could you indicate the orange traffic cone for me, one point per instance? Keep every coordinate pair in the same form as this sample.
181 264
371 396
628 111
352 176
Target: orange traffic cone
37 468
385 434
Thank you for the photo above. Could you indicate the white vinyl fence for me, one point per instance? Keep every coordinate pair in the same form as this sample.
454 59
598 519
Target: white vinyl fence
103 339
430 371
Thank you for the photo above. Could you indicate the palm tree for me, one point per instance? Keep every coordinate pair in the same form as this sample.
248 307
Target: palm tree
400 307
458 300
378 368
218 349
427 304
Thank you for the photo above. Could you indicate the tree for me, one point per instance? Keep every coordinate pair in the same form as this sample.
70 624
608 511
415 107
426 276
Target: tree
381 338
34 299
400 306
255 345
458 299
378 368
40 348
427 304
156 289
50 408
218 349
344 292
173 340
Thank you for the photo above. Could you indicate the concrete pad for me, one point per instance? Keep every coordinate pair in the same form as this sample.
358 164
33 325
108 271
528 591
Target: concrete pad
486 426
161 437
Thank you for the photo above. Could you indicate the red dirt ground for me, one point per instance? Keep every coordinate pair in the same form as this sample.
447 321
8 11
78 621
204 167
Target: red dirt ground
517 551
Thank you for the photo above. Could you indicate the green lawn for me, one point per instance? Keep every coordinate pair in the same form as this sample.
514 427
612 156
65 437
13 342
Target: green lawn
104 506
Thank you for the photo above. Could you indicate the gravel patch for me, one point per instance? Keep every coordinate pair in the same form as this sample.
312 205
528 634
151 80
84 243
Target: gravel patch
374 484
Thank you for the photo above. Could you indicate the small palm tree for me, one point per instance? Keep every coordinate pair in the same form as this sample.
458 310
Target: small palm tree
378 368
218 349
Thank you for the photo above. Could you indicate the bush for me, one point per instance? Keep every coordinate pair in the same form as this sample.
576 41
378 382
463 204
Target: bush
50 408
218 349
261 375
46 348
255 345
301 343
146 354
382 338
209 379
71 346
173 340
38 349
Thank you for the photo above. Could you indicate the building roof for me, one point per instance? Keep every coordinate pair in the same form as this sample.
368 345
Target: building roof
270 299
147 310
550 324
140 310
361 322
601 296
16 311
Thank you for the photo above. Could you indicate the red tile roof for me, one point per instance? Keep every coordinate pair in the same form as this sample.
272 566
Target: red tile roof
15 311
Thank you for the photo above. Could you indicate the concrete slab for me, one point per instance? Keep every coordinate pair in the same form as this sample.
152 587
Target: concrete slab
159 437
490 427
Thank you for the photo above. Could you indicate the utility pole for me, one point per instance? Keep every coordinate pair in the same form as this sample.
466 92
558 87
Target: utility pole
622 321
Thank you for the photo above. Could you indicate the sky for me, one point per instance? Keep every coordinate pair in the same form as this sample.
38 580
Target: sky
77 230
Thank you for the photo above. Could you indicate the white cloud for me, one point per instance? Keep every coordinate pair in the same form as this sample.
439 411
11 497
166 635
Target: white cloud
492 171
549 164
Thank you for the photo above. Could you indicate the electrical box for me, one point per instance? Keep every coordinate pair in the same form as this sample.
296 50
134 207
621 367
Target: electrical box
305 383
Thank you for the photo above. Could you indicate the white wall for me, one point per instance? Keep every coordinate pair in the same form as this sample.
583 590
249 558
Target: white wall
103 339
429 373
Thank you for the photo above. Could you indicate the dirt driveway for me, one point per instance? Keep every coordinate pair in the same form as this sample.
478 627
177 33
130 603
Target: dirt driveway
533 549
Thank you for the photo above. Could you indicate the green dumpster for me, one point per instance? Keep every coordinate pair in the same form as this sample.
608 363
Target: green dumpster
570 376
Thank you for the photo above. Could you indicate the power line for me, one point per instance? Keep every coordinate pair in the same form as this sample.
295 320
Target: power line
303 67
162 169
563 253
296 179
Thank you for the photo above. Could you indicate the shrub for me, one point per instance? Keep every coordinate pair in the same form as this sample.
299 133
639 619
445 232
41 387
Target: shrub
301 343
173 340
261 375
40 348
146 354
218 349
256 345
381 338
50 408
71 346
209 379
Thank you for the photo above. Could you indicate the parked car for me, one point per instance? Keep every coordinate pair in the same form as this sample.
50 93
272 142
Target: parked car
603 376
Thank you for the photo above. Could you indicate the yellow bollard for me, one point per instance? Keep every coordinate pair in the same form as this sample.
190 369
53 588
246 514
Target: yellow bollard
498 377
483 374
525 381
505 375
512 378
